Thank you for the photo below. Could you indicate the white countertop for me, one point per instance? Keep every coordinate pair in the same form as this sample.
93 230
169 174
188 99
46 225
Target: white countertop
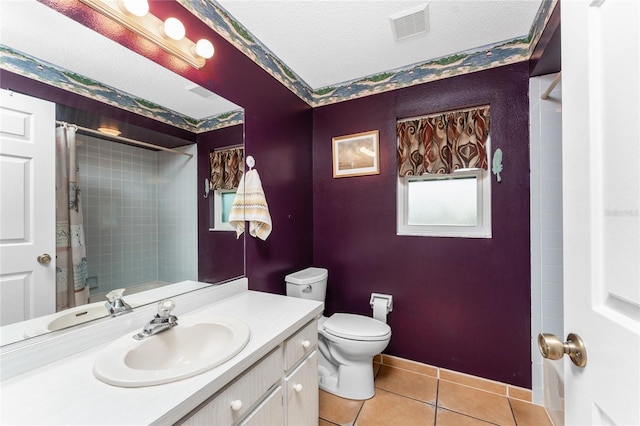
66 392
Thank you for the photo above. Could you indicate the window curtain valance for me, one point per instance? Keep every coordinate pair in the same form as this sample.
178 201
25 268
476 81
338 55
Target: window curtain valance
442 143
226 168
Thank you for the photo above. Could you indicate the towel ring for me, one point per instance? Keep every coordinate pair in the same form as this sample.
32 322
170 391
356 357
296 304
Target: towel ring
250 162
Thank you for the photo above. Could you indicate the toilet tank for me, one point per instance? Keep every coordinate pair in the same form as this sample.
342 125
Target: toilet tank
310 283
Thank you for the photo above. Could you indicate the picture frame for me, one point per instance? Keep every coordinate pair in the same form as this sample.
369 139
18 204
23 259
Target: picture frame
357 154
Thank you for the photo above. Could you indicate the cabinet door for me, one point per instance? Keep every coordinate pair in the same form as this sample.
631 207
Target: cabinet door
302 393
269 413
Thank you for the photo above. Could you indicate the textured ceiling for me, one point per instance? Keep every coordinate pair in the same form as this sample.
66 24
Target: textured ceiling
329 42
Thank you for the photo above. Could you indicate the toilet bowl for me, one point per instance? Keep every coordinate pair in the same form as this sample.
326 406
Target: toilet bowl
347 342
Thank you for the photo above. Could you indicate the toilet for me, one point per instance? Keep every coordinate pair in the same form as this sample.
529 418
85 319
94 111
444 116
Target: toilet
347 342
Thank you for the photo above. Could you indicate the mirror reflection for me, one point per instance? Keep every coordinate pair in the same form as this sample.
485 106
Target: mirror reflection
136 208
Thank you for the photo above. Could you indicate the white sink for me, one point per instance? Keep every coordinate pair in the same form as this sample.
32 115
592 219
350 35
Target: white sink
192 347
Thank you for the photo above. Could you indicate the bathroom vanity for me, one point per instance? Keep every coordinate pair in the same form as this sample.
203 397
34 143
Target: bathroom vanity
273 380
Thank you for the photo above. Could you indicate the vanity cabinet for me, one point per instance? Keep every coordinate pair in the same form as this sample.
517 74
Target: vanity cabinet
280 389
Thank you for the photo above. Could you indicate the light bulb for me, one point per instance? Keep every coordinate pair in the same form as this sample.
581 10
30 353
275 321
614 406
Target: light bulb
204 48
174 29
135 7
109 131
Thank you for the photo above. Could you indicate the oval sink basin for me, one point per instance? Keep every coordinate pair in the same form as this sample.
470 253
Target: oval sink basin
70 317
190 348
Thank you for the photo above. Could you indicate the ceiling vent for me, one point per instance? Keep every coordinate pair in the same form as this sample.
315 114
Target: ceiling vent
199 90
410 22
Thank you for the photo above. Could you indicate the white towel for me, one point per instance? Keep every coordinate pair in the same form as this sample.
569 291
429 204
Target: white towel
250 205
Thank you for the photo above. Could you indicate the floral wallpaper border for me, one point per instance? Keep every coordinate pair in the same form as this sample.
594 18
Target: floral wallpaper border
45 72
481 58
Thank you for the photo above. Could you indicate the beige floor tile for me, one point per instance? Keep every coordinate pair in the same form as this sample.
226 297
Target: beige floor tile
338 410
390 409
473 402
529 414
406 383
449 418
323 422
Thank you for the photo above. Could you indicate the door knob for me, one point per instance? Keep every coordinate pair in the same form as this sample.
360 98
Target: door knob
44 259
553 348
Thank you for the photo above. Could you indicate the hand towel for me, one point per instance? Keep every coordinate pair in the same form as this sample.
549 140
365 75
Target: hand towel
250 205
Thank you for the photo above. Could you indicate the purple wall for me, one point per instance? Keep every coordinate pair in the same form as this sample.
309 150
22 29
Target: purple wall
220 254
462 304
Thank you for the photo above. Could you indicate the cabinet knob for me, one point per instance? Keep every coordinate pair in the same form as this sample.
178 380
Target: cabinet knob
306 344
297 387
236 405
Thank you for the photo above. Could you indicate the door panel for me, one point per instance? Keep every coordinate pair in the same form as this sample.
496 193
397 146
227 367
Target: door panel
601 154
27 203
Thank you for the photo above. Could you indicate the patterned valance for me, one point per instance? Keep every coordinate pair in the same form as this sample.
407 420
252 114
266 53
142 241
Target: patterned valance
442 143
226 168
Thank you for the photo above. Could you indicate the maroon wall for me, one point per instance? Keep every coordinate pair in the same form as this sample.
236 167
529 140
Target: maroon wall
462 304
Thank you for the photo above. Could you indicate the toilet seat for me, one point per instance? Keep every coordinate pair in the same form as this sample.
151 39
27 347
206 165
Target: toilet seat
356 327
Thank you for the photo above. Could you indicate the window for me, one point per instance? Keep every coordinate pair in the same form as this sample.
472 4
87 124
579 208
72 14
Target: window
222 201
453 205
225 172
444 184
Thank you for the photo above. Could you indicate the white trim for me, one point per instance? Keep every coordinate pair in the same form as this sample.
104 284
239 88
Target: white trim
481 230
218 224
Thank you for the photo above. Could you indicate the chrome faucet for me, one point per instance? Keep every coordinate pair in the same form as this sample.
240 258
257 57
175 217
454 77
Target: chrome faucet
161 322
115 304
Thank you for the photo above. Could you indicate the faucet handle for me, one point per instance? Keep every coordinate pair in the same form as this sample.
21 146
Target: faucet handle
165 307
116 294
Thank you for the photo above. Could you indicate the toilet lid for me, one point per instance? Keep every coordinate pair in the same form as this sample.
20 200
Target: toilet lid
356 327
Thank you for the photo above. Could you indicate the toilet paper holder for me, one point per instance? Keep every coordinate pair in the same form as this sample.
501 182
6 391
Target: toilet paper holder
388 297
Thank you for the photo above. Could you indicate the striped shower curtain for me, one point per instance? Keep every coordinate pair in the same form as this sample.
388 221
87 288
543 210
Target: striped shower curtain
71 253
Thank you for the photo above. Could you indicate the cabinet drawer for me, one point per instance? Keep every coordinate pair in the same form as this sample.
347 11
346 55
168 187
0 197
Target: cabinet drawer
300 344
230 405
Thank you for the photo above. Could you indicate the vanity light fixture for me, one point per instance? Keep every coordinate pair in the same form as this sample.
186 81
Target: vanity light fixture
168 35
109 131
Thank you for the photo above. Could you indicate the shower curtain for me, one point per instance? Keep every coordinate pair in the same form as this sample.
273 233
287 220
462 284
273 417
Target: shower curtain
71 253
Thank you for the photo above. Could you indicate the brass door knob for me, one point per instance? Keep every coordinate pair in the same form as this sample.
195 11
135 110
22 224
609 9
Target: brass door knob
553 348
44 259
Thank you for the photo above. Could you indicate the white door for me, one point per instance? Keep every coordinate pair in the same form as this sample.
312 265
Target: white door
27 207
601 192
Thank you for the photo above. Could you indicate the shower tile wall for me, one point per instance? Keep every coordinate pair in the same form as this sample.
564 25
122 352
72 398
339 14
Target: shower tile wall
546 220
177 216
121 211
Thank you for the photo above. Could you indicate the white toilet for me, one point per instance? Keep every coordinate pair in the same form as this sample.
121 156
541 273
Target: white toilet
347 342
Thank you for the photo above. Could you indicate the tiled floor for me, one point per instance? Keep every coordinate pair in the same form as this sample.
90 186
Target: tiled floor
418 397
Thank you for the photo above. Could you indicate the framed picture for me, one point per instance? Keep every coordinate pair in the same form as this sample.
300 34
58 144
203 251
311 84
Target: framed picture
356 155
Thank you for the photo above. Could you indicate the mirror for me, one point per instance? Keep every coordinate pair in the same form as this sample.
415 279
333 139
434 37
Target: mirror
140 205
